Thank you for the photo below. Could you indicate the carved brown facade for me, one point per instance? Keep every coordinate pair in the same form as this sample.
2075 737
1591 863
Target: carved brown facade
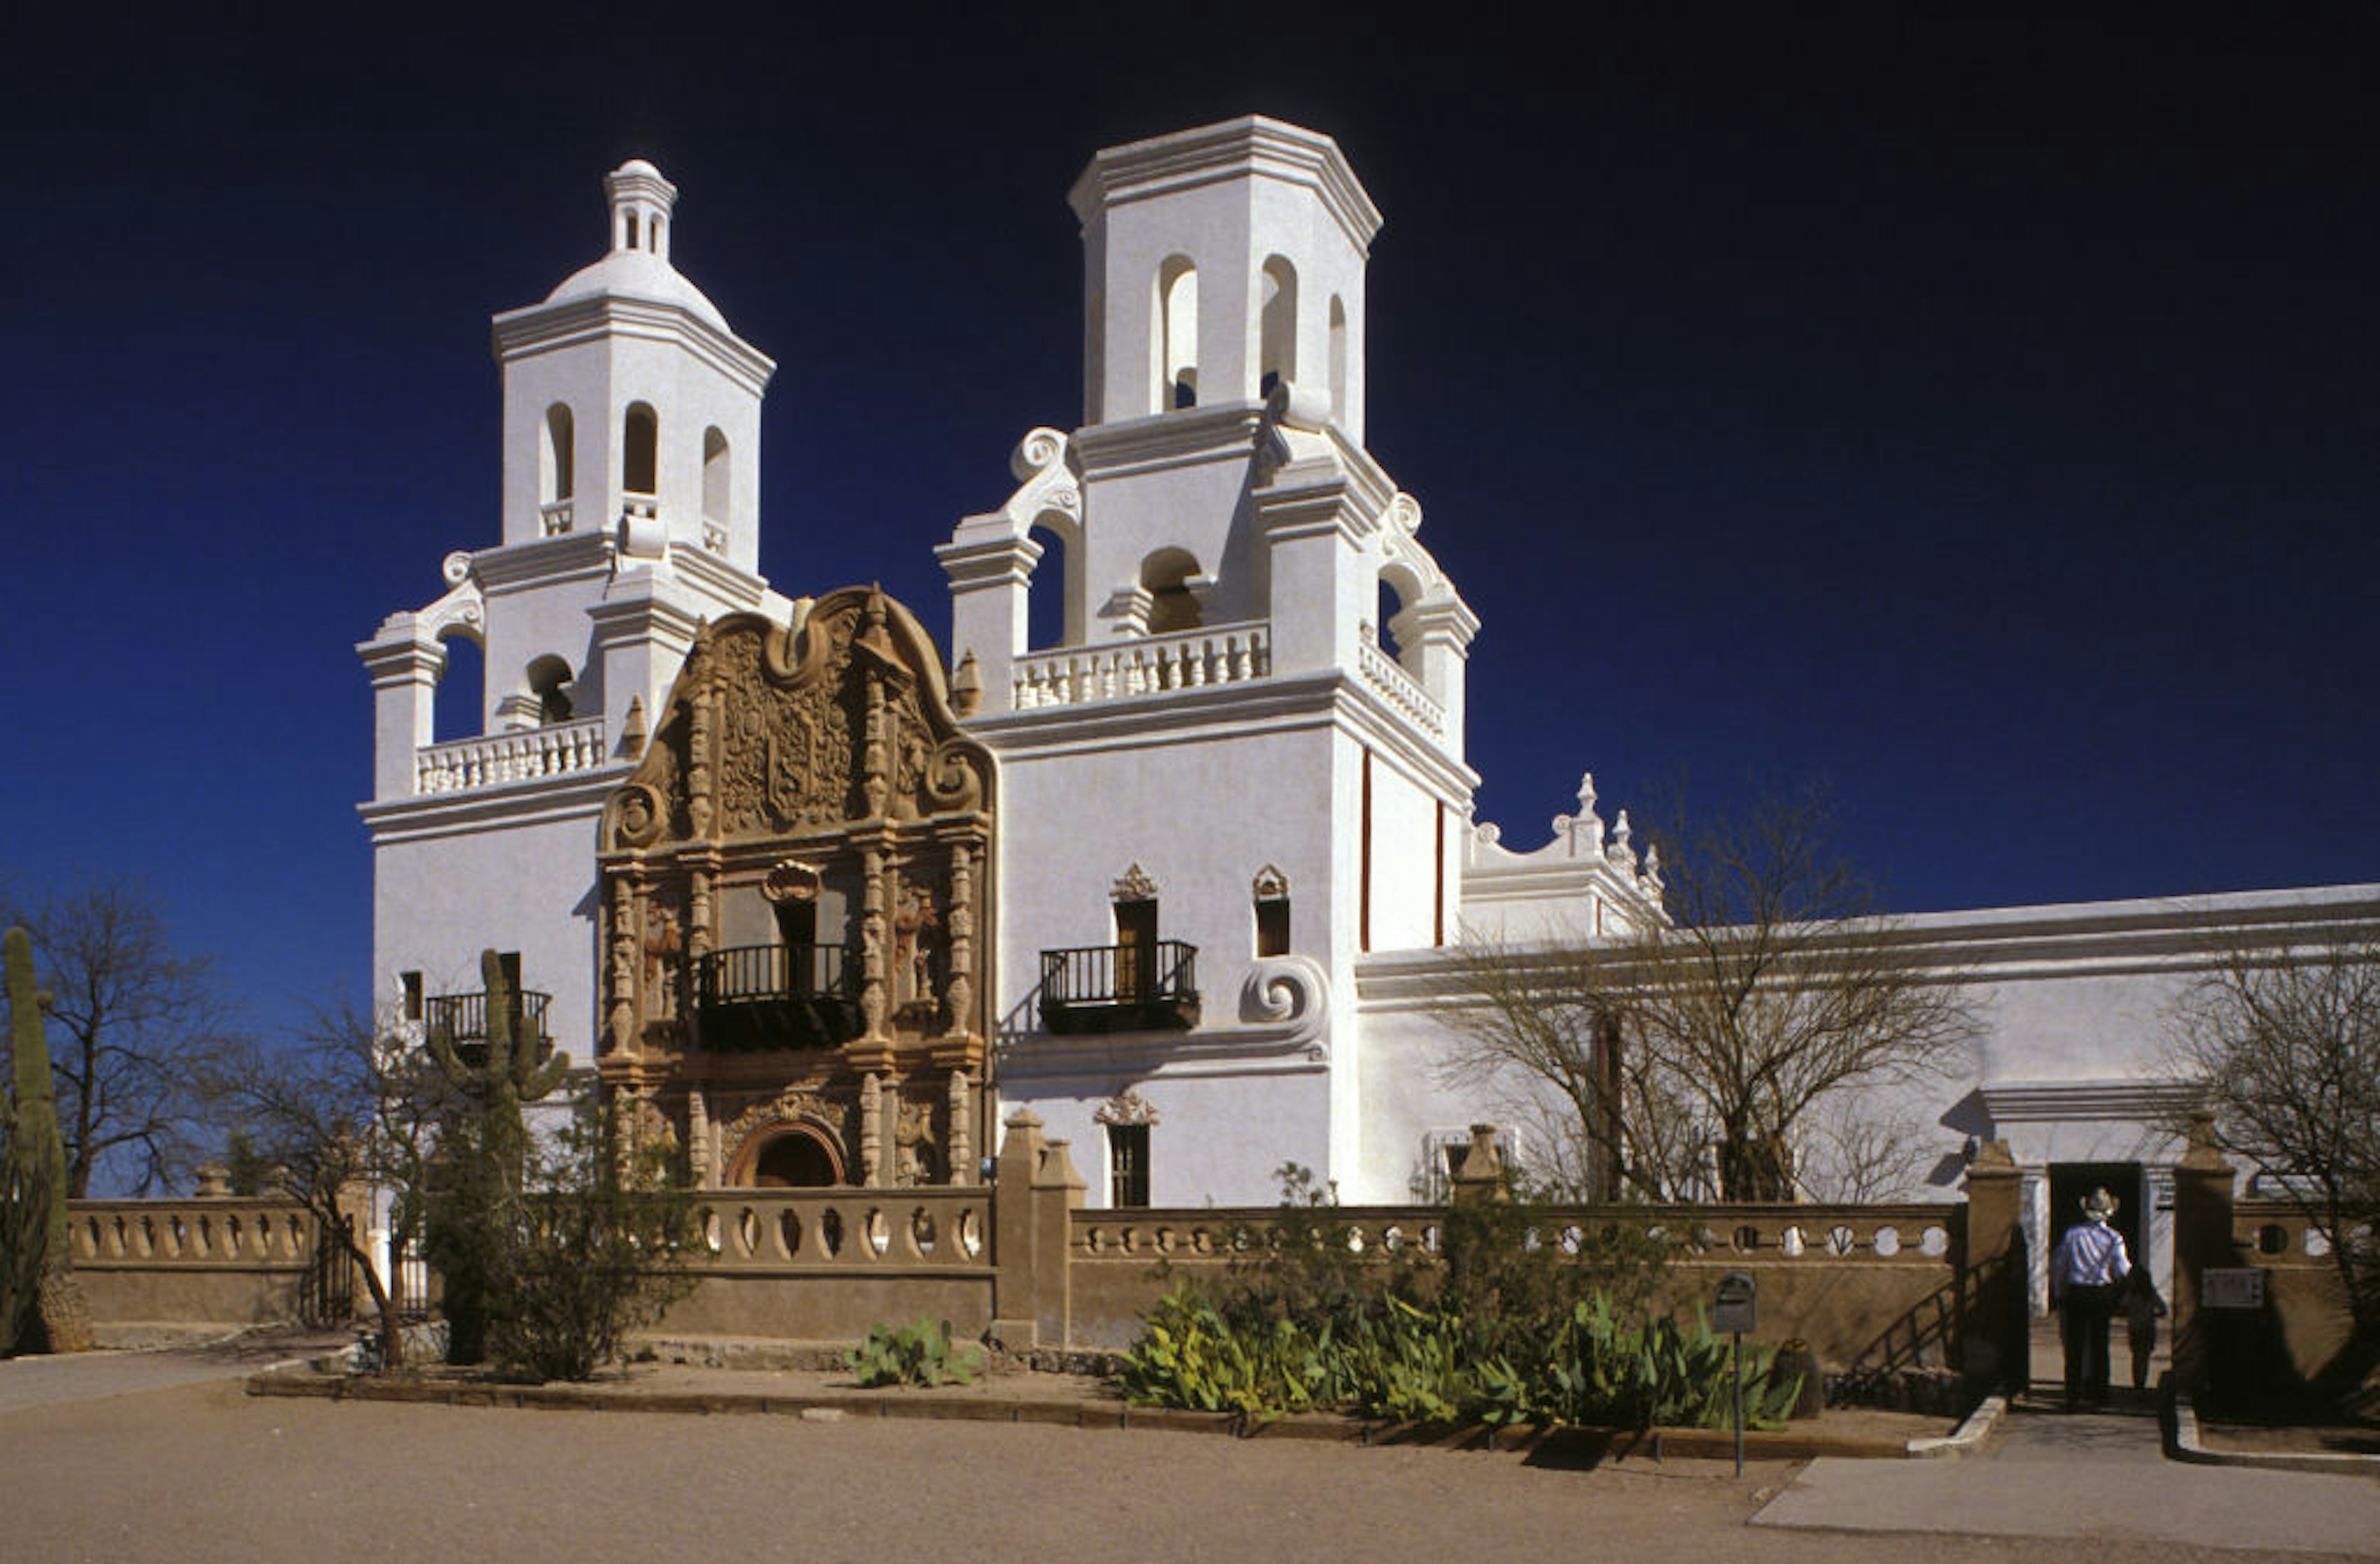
795 926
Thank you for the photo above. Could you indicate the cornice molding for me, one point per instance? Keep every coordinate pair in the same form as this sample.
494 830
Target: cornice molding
546 328
534 801
1250 147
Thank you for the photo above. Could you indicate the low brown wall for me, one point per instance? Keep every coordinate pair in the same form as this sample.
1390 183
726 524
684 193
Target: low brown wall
2306 1315
219 1261
1875 1284
813 1265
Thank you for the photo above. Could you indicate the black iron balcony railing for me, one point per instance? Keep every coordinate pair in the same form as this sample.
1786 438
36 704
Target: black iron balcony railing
1121 988
777 997
462 1021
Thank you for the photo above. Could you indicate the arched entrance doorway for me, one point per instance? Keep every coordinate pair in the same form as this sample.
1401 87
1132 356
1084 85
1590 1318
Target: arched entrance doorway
795 1159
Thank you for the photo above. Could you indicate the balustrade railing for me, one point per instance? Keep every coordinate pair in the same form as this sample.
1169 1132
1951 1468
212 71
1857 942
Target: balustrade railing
1814 1234
226 1232
1227 654
557 749
858 1230
1386 674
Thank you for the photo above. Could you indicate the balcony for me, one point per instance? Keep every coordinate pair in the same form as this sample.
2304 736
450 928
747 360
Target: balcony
753 997
466 765
462 1021
1143 987
1143 665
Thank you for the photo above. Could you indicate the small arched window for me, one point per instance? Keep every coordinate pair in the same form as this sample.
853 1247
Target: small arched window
1278 360
632 230
717 494
1390 604
1165 576
640 452
458 706
1272 889
548 680
1177 336
1338 358
557 452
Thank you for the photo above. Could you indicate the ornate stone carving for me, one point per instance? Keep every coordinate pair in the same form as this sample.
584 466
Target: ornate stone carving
1127 1107
1271 885
792 1105
913 1145
791 880
1133 886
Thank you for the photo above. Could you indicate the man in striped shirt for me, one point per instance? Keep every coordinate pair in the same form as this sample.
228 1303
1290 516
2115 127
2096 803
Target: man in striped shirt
2090 1261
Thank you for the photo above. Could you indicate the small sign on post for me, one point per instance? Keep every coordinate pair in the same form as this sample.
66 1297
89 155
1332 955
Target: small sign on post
2234 1287
1735 1309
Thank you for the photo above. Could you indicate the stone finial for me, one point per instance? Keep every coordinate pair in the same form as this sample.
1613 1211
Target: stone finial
1480 1170
215 1182
1620 852
1652 871
632 730
966 687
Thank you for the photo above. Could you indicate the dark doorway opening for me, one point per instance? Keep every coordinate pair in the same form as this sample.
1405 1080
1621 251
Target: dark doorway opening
793 1161
2069 1182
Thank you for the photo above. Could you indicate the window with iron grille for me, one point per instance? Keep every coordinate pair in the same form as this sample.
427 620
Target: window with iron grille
1127 1165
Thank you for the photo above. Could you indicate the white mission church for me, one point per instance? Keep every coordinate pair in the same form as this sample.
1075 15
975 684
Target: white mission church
823 899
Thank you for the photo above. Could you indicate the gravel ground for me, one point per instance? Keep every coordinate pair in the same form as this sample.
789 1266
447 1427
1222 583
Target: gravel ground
199 1473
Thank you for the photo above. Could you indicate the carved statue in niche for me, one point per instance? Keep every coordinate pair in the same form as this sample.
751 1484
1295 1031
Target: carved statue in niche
652 1146
664 943
913 1146
913 927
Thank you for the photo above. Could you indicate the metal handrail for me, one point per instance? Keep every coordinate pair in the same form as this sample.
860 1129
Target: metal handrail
463 1018
1159 972
742 974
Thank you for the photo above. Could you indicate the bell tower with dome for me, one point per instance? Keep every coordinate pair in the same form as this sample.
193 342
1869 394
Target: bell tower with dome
630 501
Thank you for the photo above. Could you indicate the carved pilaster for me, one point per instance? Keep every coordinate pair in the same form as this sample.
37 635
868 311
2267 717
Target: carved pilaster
620 969
700 922
697 760
701 1150
962 927
962 1130
875 1001
871 1131
876 758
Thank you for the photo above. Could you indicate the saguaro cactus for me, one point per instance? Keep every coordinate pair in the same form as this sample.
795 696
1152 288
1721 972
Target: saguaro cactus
510 1074
476 1197
37 1161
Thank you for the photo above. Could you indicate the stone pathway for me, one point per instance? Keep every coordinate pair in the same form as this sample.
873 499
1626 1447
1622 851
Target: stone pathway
2049 1474
40 1381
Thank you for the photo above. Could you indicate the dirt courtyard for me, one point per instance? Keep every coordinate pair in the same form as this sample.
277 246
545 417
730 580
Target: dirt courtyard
202 1473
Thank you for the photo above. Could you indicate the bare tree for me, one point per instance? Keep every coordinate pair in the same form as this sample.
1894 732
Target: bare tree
1711 1054
138 1029
344 1116
2285 1048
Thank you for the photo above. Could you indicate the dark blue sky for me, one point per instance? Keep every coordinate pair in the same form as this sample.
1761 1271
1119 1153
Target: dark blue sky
1979 419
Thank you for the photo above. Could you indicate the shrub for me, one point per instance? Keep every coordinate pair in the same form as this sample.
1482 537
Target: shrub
600 1251
917 1353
